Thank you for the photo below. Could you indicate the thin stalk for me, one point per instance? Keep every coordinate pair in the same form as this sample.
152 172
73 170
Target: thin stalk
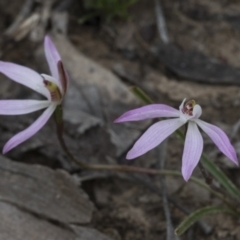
132 169
66 150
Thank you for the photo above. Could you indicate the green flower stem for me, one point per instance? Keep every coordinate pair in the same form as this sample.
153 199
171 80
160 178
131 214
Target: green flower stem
131 169
58 116
126 169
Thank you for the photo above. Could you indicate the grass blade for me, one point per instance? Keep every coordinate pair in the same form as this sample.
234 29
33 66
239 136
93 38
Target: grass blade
197 215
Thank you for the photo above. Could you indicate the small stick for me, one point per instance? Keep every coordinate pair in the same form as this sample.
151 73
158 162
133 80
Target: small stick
235 129
25 11
161 23
37 34
142 180
161 156
207 177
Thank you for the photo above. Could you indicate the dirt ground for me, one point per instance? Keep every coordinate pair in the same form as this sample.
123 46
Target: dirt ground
126 209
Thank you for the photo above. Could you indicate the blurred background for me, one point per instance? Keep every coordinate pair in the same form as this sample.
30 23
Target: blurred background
171 49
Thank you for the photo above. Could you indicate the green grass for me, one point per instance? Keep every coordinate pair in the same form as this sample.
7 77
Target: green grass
108 9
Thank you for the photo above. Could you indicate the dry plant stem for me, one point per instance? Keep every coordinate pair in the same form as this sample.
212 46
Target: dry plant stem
132 169
161 23
25 11
235 129
148 183
161 159
208 178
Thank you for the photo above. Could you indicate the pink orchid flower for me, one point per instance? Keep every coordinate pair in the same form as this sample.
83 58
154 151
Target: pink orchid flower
52 87
188 112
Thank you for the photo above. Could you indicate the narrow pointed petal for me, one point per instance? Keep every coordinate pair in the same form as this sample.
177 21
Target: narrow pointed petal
193 148
18 107
52 57
182 105
219 138
154 136
147 112
25 76
31 130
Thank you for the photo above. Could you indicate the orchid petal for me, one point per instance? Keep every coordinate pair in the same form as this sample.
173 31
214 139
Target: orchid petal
147 112
154 136
184 117
52 57
197 111
219 138
25 76
31 130
193 147
182 105
18 107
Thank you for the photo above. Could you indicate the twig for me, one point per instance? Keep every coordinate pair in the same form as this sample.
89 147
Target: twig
94 175
161 23
208 178
147 183
25 11
235 129
26 26
161 157
38 32
60 17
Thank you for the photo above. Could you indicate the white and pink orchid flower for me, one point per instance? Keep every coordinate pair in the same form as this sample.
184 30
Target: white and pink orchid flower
188 112
52 87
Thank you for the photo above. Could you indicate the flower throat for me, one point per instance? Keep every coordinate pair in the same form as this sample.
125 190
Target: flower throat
188 107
